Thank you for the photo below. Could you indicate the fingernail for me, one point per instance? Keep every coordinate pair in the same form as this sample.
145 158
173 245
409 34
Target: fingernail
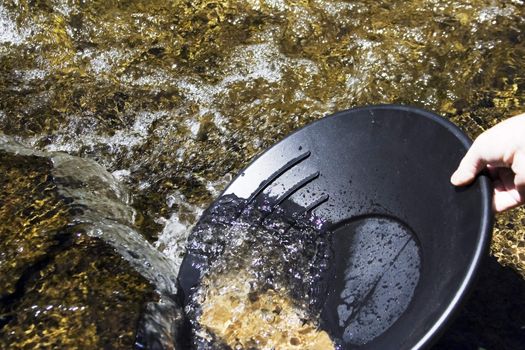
454 179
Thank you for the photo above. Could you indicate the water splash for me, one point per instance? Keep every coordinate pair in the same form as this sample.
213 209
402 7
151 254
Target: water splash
244 253
10 33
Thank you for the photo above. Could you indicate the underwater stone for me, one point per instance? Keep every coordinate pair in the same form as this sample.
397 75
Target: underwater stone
64 287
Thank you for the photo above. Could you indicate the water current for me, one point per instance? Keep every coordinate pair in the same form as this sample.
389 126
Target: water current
122 121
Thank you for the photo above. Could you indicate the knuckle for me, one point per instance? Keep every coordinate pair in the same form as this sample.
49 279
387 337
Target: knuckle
481 139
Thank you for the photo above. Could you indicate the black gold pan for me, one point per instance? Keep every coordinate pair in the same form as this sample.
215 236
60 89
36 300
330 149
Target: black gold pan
406 243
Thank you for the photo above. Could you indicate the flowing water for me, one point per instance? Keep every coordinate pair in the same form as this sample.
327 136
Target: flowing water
261 270
160 103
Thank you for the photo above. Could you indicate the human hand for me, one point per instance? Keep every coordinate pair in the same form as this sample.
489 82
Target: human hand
502 150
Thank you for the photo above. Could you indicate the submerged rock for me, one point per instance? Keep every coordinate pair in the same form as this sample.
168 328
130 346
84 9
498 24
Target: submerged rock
238 316
32 216
73 272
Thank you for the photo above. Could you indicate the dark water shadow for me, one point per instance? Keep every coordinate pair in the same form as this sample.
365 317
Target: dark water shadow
493 316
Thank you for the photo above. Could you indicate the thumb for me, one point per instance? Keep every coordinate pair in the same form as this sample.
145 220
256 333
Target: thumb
471 164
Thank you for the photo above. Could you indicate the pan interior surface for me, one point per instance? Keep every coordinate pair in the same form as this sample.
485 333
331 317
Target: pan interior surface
404 244
372 278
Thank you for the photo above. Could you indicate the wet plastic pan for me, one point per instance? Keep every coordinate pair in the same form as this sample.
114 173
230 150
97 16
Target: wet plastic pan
407 244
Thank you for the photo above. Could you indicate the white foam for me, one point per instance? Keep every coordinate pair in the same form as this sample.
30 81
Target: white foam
63 8
103 61
252 62
351 82
157 78
31 74
368 64
121 174
364 44
128 138
489 14
9 31
248 63
197 92
279 5
143 185
194 127
172 239
334 7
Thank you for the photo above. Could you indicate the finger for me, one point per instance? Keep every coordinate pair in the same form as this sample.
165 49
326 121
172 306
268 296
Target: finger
519 182
518 167
471 164
504 200
506 195
506 176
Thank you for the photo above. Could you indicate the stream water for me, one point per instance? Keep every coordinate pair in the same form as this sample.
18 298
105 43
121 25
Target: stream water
153 106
